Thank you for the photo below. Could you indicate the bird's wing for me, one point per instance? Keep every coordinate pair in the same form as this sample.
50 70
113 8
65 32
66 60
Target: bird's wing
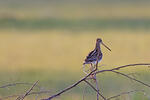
92 56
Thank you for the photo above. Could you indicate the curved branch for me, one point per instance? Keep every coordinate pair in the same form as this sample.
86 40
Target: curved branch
19 83
92 73
70 87
131 78
123 93
31 93
124 66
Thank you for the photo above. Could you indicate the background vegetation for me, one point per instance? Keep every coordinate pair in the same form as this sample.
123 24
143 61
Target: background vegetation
48 41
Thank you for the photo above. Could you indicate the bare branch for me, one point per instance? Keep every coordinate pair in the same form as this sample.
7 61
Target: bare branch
95 89
21 98
123 93
70 87
124 66
40 92
10 96
101 71
132 78
84 90
19 83
140 64
31 93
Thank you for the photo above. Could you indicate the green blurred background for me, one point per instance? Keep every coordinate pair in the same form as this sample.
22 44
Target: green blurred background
47 40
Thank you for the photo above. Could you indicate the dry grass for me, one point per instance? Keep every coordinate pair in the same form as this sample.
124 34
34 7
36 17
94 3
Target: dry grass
78 10
25 53
66 50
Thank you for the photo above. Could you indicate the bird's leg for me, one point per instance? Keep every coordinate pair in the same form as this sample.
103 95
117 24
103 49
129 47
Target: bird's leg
95 67
92 68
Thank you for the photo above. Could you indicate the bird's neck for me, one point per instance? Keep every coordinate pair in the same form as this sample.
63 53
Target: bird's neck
97 47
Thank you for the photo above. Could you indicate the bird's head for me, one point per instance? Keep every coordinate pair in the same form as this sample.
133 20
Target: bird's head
99 40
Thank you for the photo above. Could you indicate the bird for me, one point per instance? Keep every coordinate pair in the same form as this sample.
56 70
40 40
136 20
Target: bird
95 56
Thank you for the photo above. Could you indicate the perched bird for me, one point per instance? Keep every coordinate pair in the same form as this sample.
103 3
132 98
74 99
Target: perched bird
95 56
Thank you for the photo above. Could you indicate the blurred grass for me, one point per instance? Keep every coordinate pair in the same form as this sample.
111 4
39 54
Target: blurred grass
49 48
48 41
80 24
73 9
49 56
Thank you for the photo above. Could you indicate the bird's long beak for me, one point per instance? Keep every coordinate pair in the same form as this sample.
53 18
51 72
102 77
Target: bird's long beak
105 46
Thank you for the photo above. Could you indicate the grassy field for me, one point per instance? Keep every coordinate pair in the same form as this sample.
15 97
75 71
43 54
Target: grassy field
88 24
49 48
48 41
45 55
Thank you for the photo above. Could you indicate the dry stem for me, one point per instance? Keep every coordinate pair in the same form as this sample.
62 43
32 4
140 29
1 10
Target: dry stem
101 71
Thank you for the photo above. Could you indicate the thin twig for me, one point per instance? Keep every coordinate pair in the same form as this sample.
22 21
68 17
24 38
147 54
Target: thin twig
19 83
84 90
95 89
132 78
10 96
92 73
70 87
96 82
40 92
21 98
31 93
123 93
124 66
